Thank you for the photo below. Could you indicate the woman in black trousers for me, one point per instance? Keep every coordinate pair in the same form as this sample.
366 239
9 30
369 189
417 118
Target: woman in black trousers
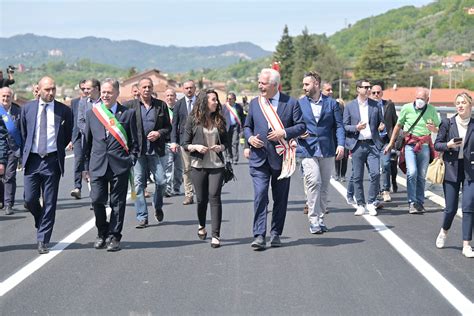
205 138
456 140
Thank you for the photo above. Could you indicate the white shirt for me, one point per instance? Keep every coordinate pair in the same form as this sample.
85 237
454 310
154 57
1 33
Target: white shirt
364 117
51 134
275 100
316 107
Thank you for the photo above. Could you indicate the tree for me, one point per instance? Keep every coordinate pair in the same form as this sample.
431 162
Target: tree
412 76
380 61
328 64
132 71
284 54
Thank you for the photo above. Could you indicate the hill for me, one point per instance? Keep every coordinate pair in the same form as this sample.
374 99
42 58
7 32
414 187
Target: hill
33 50
435 29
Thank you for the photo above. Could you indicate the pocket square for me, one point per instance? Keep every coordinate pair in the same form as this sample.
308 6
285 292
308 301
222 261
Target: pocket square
62 122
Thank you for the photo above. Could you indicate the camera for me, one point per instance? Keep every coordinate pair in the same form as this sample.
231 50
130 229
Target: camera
11 69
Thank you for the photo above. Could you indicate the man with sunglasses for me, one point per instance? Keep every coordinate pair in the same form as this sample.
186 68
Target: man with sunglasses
362 121
389 166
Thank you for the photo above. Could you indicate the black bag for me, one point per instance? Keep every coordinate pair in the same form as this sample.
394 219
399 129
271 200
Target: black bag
228 172
400 141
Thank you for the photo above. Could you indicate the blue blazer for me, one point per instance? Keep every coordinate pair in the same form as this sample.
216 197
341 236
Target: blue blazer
180 115
290 115
351 118
328 132
448 129
62 125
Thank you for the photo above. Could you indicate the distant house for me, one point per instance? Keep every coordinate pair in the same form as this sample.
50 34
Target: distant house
439 97
160 84
454 61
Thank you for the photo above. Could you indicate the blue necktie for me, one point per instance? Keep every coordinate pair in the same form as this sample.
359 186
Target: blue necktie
43 133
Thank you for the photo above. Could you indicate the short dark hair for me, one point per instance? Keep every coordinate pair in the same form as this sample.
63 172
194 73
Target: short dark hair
95 83
359 82
316 76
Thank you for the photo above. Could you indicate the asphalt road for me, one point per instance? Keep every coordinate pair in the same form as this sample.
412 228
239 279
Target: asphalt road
357 268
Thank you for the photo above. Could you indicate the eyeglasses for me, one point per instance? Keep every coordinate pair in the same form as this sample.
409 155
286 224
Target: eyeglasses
376 92
365 87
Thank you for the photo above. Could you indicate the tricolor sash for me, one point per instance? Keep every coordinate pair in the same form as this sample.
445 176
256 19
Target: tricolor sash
234 113
113 126
284 147
10 125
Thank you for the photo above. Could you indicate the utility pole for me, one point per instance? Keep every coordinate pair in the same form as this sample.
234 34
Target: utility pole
340 88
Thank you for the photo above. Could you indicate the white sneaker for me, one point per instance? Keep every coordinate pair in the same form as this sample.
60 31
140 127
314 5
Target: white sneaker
386 196
441 239
372 209
467 252
360 210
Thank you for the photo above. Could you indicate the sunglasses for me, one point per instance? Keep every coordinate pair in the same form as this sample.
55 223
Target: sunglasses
376 92
365 87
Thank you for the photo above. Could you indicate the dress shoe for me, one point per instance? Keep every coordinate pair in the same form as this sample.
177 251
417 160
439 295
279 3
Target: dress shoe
215 243
159 214
142 224
8 210
188 200
315 229
113 245
99 243
76 193
202 233
258 243
420 208
275 241
42 248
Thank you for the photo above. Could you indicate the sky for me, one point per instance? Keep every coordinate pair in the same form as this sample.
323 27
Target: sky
187 23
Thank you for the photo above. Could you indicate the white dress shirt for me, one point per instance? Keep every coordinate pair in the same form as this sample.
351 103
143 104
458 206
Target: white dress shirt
51 134
364 117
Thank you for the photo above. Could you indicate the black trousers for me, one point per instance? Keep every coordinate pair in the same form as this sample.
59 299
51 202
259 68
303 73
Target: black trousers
78 162
8 183
118 199
208 186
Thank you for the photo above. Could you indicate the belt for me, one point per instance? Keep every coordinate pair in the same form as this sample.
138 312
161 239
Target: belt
51 154
368 141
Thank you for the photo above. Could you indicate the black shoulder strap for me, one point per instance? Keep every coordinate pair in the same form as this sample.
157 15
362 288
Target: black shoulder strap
417 119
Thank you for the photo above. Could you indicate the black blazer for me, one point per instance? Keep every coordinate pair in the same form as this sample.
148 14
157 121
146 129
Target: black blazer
101 151
62 124
226 114
75 130
180 114
162 124
448 129
194 135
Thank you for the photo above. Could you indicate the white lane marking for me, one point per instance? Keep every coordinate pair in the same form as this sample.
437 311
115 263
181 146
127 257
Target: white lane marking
19 276
439 282
430 195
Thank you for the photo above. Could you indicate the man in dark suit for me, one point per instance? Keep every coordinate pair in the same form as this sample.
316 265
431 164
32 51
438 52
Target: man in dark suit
234 117
46 128
111 148
180 115
388 161
324 138
265 163
153 128
363 121
76 144
10 113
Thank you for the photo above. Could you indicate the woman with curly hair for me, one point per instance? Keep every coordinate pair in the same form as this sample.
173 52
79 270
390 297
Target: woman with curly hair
205 139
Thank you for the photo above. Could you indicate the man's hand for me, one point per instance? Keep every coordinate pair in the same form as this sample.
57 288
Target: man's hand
361 126
339 152
153 135
432 127
69 146
388 148
2 169
174 147
276 135
86 176
247 153
381 127
305 135
254 141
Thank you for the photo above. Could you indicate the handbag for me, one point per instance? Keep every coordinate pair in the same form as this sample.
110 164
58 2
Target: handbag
228 170
435 171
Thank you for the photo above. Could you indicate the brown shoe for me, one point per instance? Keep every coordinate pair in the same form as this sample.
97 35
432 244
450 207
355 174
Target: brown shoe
188 200
305 211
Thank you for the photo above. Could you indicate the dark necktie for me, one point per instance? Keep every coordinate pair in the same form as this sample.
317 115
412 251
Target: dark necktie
43 133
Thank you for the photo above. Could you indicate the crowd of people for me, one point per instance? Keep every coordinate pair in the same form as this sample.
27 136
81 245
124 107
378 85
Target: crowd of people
188 141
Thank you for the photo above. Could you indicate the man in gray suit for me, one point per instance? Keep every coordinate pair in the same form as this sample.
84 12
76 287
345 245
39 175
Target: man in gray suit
363 120
111 149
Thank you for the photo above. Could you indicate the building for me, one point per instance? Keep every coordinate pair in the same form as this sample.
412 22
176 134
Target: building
439 97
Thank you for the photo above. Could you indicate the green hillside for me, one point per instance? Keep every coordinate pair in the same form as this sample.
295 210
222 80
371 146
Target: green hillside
437 28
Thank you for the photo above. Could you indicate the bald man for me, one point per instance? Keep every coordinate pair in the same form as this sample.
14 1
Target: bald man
46 130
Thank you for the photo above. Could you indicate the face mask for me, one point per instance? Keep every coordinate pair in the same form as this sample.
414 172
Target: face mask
420 103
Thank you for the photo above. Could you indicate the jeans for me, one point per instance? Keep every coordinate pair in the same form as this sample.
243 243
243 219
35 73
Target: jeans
174 171
156 165
362 154
386 170
417 164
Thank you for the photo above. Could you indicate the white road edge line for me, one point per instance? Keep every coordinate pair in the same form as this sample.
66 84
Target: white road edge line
439 282
19 276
